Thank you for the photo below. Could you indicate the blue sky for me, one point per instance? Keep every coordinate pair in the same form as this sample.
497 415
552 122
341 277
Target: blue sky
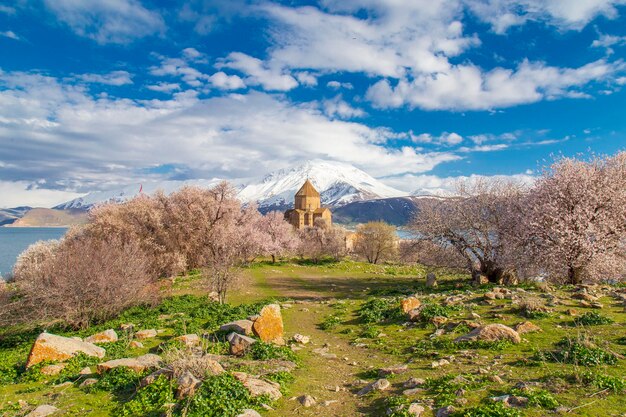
98 94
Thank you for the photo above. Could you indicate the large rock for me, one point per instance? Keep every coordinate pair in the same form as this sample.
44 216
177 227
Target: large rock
526 327
409 304
189 340
52 370
240 326
239 344
43 411
269 325
146 334
187 385
258 387
138 364
379 385
491 333
50 347
107 336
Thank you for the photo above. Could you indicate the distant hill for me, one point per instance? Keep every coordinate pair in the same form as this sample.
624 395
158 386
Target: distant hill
10 215
397 211
45 217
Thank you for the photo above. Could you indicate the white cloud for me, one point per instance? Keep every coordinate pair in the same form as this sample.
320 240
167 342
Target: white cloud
484 148
608 42
163 87
337 107
21 193
421 184
446 138
10 34
226 82
259 73
335 85
179 68
116 78
306 78
110 21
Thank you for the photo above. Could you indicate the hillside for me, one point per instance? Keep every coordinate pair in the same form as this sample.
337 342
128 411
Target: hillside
45 217
397 211
10 215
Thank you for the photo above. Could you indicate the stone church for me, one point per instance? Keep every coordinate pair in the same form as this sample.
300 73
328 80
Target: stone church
308 208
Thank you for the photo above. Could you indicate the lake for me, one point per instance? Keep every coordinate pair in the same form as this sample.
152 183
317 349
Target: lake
13 240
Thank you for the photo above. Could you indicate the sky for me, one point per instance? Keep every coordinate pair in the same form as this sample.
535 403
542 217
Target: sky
96 94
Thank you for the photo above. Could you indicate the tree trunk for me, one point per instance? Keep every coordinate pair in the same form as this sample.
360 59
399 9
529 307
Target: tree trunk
273 258
574 275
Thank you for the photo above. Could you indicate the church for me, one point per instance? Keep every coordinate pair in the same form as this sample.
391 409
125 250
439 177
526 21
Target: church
308 208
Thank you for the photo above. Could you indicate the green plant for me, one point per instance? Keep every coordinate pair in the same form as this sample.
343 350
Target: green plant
592 318
221 396
261 351
538 398
603 381
444 389
492 409
428 311
330 322
118 380
397 406
150 400
369 331
74 366
379 310
580 352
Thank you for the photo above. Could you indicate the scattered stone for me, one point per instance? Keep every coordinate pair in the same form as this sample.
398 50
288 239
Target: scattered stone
50 347
258 387
146 334
409 304
187 385
393 370
136 345
414 315
138 364
43 411
491 333
597 305
475 316
107 336
490 295
239 344
414 382
441 362
431 280
249 413
240 326
512 400
52 370
481 280
571 312
88 382
303 340
127 326
445 411
379 385
526 327
269 326
496 379
416 410
85 371
190 340
439 321
307 401
214 296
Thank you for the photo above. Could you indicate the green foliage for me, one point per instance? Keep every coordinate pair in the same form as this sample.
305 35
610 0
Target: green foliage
398 405
75 365
491 409
444 389
221 396
330 322
592 318
118 380
577 352
603 381
424 348
380 310
261 351
430 310
538 398
150 400
282 378
370 332
117 350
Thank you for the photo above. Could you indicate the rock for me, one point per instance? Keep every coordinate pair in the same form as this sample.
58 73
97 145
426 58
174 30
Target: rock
214 296
490 295
441 362
512 400
240 326
412 391
85 371
481 280
379 385
127 326
239 344
491 333
475 316
107 336
136 345
43 411
414 315
526 327
431 280
303 340
269 326
249 413
190 340
439 321
496 379
52 370
307 401
597 305
416 410
258 387
445 411
409 304
393 370
146 334
88 382
138 364
187 385
49 347
154 375
414 382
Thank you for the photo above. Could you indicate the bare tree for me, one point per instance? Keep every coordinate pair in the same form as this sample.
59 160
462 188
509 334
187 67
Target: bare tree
575 218
476 223
376 241
430 254
280 237
322 240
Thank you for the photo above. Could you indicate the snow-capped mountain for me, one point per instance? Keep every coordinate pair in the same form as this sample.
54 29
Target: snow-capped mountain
338 184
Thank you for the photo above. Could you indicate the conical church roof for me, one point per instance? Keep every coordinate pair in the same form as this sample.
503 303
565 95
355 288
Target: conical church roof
307 190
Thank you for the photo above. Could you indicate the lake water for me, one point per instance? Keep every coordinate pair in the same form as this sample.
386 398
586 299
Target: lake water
13 240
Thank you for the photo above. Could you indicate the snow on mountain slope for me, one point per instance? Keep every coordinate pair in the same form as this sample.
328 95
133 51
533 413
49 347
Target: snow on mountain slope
338 184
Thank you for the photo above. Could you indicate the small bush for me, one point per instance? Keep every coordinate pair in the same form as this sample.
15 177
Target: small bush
369 331
538 398
118 380
398 406
330 322
221 396
580 352
150 400
261 351
444 389
379 310
428 311
533 308
592 318
603 381
492 409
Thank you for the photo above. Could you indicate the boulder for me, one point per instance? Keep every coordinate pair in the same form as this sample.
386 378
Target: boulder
88 382
258 387
269 326
445 411
240 326
491 333
138 364
439 321
307 401
299 338
50 347
107 336
146 334
416 410
526 327
43 411
187 385
239 344
52 370
409 304
136 345
431 280
414 382
393 370
379 385
190 340
511 400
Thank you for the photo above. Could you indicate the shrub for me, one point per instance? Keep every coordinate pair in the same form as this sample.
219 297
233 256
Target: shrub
428 311
538 398
378 310
592 318
444 388
492 409
261 351
120 379
369 332
581 352
221 396
330 322
150 400
533 308
603 381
